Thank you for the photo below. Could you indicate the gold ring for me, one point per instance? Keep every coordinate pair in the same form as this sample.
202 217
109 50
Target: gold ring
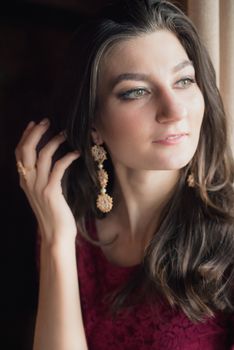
22 170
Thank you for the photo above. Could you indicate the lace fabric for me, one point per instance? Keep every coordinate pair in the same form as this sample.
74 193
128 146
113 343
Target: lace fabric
142 327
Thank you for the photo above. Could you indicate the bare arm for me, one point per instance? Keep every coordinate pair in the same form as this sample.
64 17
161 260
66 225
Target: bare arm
59 324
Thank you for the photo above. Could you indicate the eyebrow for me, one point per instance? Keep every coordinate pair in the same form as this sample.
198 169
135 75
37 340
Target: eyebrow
182 65
145 77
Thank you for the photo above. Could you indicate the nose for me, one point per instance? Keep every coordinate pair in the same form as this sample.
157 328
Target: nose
171 108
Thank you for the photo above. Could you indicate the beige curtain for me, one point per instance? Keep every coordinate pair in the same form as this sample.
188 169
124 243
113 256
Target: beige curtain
214 20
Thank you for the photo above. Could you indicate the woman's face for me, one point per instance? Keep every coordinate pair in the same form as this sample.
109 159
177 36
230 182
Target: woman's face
150 107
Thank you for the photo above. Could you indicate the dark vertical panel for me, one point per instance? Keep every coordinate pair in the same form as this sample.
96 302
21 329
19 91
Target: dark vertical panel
33 40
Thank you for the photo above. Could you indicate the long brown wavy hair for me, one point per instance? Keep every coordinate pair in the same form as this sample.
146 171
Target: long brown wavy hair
189 261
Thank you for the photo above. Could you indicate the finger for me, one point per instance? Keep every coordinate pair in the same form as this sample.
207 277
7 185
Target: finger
27 148
29 126
44 161
60 167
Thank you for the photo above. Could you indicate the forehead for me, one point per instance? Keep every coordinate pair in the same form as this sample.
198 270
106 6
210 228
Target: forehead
160 49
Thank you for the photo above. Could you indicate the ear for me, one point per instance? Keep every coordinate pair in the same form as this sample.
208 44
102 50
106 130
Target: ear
96 136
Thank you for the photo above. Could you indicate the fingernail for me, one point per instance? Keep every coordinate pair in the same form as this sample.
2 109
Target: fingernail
30 124
44 121
63 133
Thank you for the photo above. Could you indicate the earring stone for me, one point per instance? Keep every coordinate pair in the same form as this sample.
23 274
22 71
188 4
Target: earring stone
191 180
104 201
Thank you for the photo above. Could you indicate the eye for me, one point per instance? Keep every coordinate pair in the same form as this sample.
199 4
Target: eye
185 82
133 94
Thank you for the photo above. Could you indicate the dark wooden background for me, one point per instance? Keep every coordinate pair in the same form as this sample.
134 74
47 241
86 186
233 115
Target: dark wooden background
33 39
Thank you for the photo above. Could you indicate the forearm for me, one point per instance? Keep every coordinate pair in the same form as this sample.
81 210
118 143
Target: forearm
59 324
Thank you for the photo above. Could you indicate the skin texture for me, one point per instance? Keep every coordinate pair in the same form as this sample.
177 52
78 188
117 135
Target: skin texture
164 105
59 324
133 114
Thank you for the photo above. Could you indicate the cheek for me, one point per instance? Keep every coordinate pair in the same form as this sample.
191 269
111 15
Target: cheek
116 122
111 128
197 111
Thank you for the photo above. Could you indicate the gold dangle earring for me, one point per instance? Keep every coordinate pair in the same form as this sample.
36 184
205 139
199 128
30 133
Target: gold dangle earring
191 180
104 201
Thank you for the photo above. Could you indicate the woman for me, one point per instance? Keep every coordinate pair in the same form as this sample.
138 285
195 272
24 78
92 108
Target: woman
149 184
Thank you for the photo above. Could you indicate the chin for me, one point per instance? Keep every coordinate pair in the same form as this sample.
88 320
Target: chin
175 163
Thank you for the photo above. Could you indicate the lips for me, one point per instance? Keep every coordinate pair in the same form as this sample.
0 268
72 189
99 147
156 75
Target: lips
172 138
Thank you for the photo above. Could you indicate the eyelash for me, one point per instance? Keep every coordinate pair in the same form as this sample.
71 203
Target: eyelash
190 80
126 95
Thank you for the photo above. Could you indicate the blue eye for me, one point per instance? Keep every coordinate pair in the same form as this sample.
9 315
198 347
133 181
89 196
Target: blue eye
133 94
185 82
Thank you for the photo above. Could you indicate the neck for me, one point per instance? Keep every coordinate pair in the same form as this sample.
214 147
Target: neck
140 197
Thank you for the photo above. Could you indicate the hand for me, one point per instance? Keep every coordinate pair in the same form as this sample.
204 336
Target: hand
42 185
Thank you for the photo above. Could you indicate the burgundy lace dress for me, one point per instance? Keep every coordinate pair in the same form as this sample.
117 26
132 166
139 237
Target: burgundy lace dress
144 327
